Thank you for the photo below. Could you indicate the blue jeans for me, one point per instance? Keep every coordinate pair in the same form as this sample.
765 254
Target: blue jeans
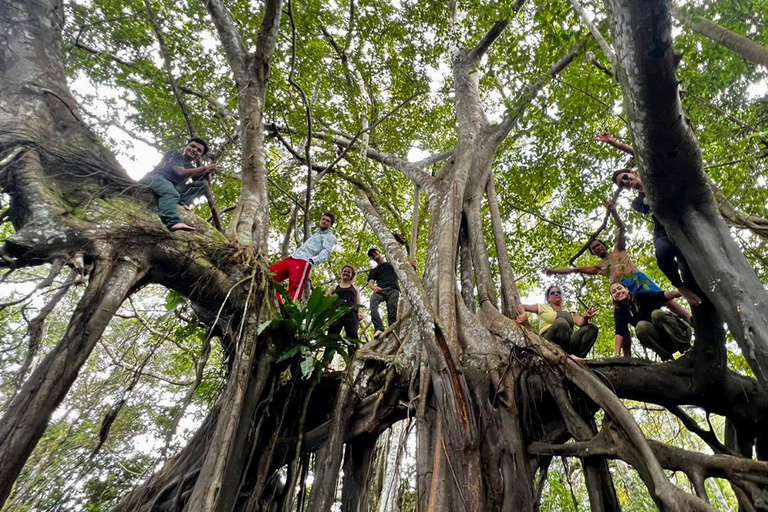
169 196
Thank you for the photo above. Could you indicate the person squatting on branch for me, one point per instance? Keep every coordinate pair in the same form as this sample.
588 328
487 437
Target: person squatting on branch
668 256
351 297
383 281
556 325
618 266
663 332
169 181
298 266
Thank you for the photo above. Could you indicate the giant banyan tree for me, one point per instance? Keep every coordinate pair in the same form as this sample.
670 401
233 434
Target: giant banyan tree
492 404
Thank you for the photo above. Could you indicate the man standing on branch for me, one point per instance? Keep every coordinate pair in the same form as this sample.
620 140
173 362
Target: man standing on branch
297 267
383 281
169 182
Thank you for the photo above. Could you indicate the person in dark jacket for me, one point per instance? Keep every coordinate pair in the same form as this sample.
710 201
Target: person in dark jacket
661 331
351 297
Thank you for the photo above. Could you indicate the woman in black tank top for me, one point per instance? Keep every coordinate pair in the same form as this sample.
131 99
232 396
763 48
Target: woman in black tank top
351 297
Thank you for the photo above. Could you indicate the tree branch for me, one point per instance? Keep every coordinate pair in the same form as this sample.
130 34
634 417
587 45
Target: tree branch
528 95
233 45
595 32
488 39
746 48
166 55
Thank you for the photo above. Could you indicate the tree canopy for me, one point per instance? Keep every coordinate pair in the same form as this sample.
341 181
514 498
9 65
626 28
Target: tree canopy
137 363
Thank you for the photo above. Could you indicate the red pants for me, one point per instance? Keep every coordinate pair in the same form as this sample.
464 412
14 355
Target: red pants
296 271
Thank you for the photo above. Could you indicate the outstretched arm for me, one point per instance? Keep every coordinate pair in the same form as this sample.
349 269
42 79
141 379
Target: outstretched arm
621 236
593 270
523 310
611 140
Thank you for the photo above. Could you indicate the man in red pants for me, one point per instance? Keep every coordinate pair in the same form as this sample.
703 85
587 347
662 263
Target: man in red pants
297 267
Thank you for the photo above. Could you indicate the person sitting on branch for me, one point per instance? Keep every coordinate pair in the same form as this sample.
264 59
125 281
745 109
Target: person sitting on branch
351 297
663 332
169 181
383 281
668 256
298 266
556 324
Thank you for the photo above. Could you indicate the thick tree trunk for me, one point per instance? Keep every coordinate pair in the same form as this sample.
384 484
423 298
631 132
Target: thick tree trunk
670 166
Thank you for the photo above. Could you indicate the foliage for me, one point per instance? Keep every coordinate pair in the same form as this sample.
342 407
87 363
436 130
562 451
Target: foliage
304 330
551 178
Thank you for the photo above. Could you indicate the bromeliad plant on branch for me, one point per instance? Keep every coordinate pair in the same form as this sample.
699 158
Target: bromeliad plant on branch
326 101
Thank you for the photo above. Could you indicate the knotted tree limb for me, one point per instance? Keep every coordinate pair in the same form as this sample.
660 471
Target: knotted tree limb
666 495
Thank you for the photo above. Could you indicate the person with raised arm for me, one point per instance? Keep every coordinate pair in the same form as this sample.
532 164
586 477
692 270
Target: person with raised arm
668 256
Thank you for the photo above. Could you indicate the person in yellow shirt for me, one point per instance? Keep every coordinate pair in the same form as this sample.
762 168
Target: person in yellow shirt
557 324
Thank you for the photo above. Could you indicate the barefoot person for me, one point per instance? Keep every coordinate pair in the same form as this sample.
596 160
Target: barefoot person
298 266
668 256
618 266
615 264
556 324
169 182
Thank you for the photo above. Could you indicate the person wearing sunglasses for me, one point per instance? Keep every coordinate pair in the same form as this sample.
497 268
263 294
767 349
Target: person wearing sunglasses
557 325
618 266
668 256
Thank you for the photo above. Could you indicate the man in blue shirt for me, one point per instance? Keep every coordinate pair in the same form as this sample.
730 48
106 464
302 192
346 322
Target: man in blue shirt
297 267
169 182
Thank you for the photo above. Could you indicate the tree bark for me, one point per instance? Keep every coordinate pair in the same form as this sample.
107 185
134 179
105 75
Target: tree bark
670 166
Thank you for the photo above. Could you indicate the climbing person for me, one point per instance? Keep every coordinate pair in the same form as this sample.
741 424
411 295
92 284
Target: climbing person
383 281
618 266
661 331
668 256
169 181
297 267
556 324
351 297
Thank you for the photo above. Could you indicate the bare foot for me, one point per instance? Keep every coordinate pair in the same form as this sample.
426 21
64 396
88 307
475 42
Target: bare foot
187 207
377 334
691 297
180 226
